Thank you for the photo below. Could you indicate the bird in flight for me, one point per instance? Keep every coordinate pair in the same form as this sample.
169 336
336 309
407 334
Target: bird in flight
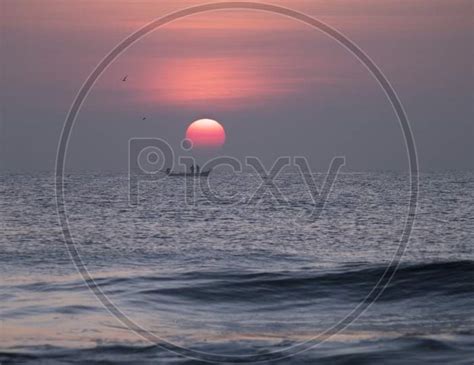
125 78
143 118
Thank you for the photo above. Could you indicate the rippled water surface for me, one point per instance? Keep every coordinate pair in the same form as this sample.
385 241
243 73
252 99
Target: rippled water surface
237 280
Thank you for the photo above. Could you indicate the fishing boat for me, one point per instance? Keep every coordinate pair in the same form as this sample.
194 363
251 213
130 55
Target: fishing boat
189 174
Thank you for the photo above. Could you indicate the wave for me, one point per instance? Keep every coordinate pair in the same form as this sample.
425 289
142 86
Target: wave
351 283
401 350
419 280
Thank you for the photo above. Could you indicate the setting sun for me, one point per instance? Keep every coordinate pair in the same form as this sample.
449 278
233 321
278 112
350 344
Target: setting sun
206 133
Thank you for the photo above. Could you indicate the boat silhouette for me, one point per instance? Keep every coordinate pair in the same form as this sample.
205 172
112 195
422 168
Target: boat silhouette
189 173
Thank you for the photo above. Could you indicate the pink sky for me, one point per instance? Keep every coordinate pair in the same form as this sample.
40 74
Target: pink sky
239 66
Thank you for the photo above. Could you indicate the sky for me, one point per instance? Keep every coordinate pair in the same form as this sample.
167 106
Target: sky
277 86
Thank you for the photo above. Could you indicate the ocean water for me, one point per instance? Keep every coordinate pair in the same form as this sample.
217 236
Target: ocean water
233 283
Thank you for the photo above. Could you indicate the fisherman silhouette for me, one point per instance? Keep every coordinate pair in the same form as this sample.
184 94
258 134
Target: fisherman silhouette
192 169
197 169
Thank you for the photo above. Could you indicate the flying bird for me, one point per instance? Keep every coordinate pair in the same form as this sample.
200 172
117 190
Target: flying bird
143 118
125 78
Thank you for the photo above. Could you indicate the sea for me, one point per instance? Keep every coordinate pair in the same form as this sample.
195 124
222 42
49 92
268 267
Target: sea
231 274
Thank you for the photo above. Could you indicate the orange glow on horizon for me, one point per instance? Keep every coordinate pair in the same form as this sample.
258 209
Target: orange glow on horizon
225 80
206 133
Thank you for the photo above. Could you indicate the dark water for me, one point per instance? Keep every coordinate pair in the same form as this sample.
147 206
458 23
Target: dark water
237 280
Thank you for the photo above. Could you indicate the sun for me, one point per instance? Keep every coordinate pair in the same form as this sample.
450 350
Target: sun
207 133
